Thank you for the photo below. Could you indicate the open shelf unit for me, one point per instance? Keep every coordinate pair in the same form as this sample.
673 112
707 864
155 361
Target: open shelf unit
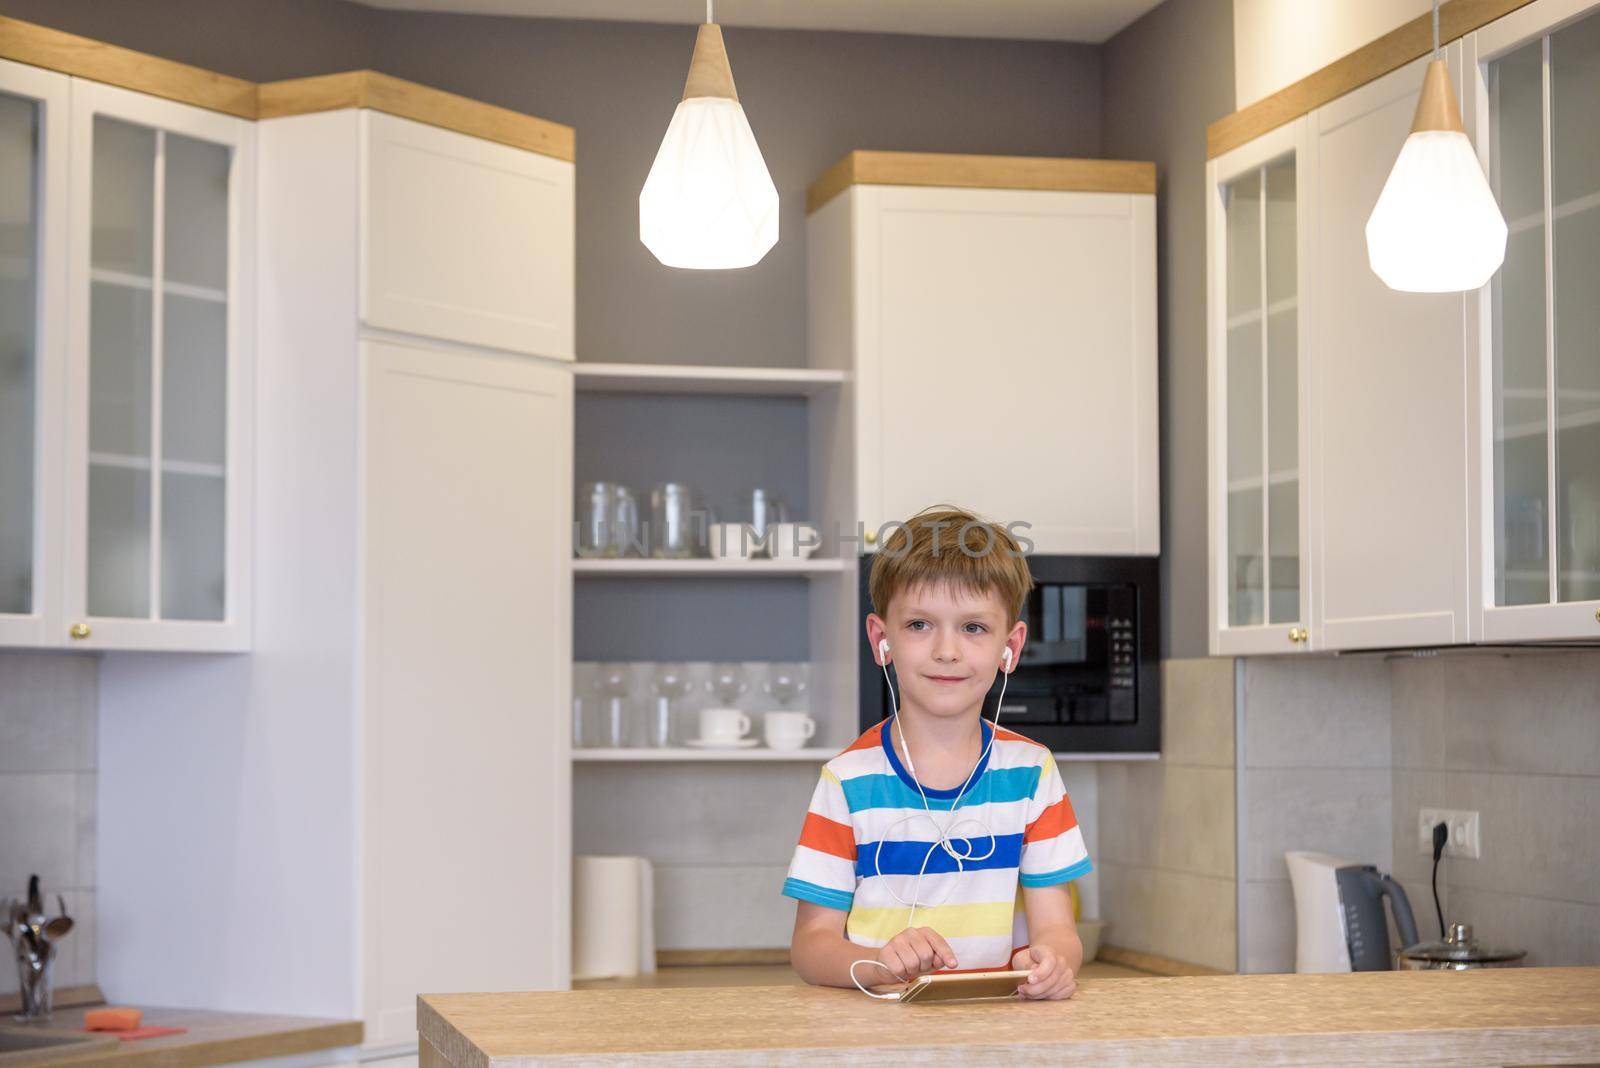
684 378
650 406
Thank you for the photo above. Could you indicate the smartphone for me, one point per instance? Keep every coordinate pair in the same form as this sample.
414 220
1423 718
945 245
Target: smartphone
971 986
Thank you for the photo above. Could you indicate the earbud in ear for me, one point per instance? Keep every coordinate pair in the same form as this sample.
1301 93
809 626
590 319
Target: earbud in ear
1006 656
883 650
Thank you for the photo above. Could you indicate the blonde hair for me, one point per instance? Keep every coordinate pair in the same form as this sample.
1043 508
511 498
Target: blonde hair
946 545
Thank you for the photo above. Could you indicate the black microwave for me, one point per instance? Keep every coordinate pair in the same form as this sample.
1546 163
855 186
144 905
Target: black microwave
1089 678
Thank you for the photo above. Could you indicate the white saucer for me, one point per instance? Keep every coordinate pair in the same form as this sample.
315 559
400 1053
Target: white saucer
708 743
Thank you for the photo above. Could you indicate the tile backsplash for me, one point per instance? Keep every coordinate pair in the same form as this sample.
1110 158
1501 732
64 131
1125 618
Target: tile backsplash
49 732
1166 827
1342 753
1516 739
1315 776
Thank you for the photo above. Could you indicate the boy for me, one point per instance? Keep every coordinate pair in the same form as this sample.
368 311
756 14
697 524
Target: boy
919 833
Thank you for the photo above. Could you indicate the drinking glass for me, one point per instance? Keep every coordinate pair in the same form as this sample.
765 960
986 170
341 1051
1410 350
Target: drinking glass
593 537
764 511
625 523
671 521
670 681
612 682
785 682
608 521
727 682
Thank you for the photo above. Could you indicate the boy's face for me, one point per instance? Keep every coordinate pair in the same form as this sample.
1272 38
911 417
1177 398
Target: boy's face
946 645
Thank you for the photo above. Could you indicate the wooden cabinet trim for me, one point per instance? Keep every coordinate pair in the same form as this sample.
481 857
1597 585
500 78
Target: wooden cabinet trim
1366 64
97 61
981 172
409 100
41 46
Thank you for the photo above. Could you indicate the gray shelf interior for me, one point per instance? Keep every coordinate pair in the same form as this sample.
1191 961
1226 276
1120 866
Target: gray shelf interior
723 446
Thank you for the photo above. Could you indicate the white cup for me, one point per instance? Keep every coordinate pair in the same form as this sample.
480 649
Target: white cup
788 730
723 724
732 541
794 541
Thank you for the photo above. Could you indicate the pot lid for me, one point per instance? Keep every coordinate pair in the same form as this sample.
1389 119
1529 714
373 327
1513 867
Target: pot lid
1459 947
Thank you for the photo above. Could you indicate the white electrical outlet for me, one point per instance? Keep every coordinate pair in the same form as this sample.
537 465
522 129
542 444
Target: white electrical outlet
1463 840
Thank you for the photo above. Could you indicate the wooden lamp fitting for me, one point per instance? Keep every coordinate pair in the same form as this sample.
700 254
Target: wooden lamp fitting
709 73
1436 107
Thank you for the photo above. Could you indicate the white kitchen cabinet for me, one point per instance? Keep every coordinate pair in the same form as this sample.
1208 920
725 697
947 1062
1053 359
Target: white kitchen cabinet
1534 80
396 748
468 462
1258 222
159 374
1002 350
33 232
466 240
127 281
1450 478
1387 453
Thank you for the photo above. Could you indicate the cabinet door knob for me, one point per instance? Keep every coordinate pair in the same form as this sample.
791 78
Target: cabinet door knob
872 539
1294 634
79 630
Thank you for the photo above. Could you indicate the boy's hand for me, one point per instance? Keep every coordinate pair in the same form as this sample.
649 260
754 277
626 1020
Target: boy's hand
917 951
1049 978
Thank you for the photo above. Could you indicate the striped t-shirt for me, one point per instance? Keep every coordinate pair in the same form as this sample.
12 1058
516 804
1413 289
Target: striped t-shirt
867 797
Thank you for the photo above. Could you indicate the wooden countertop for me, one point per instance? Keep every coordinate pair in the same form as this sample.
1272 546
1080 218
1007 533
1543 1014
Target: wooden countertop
781 975
212 1038
1505 1016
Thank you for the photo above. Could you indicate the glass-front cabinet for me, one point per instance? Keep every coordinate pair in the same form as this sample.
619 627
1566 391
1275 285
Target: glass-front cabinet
33 162
124 373
1535 93
1256 353
158 490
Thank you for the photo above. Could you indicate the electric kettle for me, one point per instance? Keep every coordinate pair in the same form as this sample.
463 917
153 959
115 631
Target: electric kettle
1339 919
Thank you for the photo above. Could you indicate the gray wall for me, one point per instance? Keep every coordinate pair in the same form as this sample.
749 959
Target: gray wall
49 736
722 446
811 97
1166 77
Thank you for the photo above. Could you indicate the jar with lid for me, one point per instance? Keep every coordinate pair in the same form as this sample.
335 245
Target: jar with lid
1458 951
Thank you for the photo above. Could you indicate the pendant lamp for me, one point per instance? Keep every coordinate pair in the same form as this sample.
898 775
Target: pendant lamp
1436 227
709 202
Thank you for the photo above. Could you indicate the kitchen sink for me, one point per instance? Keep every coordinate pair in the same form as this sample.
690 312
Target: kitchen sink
28 1044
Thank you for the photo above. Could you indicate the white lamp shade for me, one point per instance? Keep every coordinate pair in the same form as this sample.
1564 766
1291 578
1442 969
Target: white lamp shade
1436 227
709 202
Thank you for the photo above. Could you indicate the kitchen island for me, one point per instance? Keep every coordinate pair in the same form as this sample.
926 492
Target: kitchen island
1491 1017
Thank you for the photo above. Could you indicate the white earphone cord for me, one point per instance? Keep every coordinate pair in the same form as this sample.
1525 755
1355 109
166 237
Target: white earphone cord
942 834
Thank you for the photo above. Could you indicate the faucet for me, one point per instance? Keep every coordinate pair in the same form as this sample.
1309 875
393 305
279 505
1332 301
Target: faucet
34 939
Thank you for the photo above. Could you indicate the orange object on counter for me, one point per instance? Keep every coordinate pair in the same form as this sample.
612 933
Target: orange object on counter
110 1019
